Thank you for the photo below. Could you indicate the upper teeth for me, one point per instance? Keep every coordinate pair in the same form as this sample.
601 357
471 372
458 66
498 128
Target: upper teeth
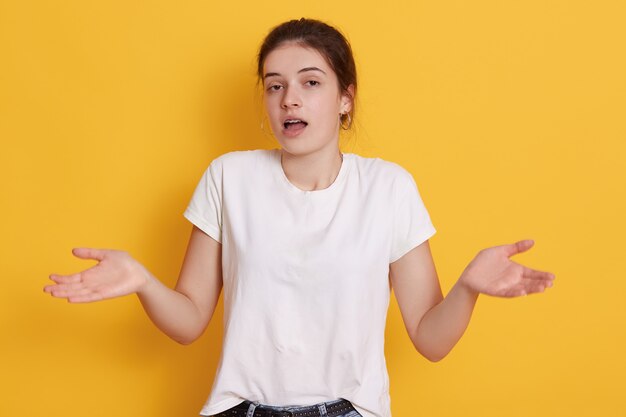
293 121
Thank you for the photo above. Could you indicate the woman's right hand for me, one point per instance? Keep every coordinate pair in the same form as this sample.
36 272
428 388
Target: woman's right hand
115 275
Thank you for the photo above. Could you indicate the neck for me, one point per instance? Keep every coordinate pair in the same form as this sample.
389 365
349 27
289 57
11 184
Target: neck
315 171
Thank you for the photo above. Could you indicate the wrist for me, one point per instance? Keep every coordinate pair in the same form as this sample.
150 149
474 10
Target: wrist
465 288
146 280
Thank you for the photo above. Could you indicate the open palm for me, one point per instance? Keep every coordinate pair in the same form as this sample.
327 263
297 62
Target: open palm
491 272
115 275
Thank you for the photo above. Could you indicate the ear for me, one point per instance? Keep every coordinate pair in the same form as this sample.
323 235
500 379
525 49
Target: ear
347 99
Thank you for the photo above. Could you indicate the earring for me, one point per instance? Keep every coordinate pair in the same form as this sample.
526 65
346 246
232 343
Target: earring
342 119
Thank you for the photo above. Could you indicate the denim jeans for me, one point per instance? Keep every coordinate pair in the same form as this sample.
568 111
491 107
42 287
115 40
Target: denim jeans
248 408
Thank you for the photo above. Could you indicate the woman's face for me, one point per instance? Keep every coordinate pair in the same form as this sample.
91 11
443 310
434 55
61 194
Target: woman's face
302 99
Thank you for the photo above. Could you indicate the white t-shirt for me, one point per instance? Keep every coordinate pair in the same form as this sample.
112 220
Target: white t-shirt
306 277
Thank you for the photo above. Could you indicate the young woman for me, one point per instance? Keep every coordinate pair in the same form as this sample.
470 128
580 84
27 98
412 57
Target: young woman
306 242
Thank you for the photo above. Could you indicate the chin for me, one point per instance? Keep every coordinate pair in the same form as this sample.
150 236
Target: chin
296 150
305 146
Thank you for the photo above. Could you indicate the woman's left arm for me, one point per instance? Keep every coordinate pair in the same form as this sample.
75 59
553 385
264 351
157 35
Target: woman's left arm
434 323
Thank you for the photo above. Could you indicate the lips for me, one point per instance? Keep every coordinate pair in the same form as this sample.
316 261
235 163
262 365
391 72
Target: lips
294 124
293 127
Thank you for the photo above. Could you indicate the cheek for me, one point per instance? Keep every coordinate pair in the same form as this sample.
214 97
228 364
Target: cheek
267 103
269 107
329 106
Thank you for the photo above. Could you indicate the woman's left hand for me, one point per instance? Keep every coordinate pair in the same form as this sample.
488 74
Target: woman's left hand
491 272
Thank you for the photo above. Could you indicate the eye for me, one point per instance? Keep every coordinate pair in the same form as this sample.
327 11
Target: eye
313 82
274 87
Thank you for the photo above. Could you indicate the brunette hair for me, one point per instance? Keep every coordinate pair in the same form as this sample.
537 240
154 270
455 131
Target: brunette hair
327 40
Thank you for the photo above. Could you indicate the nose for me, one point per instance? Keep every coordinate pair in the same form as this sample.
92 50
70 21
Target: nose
291 98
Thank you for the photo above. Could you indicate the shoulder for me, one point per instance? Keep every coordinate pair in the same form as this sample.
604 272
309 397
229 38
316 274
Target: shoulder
381 170
242 158
240 163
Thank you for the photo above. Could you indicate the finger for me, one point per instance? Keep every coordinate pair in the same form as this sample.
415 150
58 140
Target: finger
537 275
49 288
65 289
518 247
536 288
69 293
524 288
89 253
66 279
518 291
515 291
86 298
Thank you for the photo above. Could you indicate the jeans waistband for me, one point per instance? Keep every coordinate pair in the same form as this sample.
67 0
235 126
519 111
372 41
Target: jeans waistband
333 408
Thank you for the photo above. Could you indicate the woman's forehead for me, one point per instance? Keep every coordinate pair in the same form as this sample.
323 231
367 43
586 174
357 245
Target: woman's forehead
293 57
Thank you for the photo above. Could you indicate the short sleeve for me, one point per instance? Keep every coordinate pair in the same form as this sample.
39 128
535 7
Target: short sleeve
205 208
411 223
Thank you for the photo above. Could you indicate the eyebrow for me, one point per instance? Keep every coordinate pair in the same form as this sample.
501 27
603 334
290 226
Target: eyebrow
306 69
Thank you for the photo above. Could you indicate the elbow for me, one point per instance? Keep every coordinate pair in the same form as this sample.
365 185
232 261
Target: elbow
186 339
432 348
433 355
435 358
189 333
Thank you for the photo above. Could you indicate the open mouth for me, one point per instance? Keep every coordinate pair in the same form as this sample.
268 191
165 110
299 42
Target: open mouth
294 124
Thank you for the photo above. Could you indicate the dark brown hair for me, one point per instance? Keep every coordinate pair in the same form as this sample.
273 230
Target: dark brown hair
327 40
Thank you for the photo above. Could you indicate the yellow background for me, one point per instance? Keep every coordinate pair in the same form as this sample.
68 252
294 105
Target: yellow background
509 114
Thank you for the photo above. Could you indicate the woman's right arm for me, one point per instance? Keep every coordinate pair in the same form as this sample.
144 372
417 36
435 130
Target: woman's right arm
182 313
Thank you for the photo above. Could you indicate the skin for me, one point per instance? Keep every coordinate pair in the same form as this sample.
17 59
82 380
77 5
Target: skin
298 83
311 161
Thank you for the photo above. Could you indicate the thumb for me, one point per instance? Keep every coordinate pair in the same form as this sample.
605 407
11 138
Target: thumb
518 247
89 253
